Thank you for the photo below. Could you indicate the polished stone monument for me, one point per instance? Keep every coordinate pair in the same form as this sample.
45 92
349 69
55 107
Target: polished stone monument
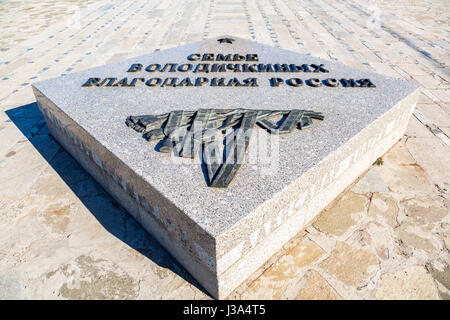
226 148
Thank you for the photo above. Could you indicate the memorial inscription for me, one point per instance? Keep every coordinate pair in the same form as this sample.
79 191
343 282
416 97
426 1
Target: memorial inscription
209 68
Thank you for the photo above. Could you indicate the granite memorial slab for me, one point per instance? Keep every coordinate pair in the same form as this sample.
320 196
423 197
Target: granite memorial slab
226 148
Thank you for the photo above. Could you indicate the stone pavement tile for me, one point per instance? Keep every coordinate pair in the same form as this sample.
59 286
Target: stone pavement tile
64 50
443 291
425 212
423 226
5 70
434 113
68 255
385 69
430 82
442 72
416 239
416 129
12 140
344 214
95 279
446 130
5 122
317 288
9 286
370 182
403 176
413 69
409 284
379 239
442 94
46 12
21 97
323 240
440 271
437 167
383 208
285 273
425 98
447 241
431 97
57 33
402 74
352 266
15 180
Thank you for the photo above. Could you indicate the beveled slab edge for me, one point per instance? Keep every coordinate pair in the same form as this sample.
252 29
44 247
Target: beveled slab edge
398 118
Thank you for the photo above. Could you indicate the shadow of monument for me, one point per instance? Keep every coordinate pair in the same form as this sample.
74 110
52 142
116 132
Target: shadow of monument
104 208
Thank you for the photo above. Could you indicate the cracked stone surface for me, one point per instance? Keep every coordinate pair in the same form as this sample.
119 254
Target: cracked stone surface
383 208
351 266
317 288
62 237
413 282
341 216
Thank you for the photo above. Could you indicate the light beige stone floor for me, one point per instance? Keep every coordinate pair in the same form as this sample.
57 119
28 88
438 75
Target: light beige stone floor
62 236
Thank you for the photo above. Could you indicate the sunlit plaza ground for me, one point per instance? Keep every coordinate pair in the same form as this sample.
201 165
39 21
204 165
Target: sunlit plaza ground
62 236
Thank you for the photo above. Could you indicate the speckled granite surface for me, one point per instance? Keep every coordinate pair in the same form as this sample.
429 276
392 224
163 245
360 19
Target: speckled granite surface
102 112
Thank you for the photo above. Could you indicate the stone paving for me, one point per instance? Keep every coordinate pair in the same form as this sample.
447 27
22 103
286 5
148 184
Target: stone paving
61 236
